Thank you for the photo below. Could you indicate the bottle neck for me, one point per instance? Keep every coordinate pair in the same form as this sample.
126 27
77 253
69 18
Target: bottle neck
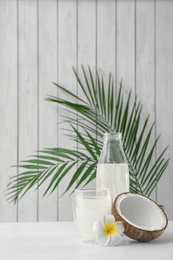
112 136
112 151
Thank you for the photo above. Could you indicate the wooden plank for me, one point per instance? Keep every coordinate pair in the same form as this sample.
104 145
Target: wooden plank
106 37
87 33
87 44
126 43
8 103
47 208
66 60
145 76
164 93
28 98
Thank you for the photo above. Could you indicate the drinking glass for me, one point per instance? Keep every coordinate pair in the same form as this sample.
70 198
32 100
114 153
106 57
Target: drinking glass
90 205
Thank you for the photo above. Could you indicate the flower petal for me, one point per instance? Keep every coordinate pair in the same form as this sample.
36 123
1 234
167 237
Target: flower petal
103 240
120 226
115 239
98 227
108 218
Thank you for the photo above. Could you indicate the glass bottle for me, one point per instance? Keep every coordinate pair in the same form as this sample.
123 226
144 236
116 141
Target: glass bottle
112 168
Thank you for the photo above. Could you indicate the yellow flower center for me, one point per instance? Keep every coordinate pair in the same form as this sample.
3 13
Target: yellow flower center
110 228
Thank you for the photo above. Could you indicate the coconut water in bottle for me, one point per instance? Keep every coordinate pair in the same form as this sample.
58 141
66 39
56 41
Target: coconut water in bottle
112 168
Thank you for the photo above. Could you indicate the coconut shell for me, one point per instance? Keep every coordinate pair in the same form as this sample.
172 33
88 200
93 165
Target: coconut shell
134 232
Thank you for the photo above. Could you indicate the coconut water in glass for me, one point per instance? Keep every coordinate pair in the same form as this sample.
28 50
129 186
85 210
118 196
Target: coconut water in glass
89 206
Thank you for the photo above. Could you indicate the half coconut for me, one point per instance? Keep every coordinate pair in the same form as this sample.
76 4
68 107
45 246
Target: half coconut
142 218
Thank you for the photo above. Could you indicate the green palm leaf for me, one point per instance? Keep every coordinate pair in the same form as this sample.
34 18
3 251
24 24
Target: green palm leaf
100 110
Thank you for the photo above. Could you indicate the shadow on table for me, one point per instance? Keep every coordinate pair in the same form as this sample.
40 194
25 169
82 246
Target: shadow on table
164 239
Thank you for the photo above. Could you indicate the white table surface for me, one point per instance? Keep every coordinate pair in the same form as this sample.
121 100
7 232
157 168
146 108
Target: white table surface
59 240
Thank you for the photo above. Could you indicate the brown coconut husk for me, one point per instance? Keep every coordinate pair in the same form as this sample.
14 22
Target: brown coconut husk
134 232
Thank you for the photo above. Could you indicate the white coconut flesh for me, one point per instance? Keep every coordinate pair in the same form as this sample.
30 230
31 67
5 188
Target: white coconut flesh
140 212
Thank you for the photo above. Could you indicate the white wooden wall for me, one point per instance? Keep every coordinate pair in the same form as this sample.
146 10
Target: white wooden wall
40 41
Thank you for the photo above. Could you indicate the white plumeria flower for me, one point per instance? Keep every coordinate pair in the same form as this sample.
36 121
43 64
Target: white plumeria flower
109 231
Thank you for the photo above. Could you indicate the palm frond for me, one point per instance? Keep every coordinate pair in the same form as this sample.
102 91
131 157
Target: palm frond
101 109
37 171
